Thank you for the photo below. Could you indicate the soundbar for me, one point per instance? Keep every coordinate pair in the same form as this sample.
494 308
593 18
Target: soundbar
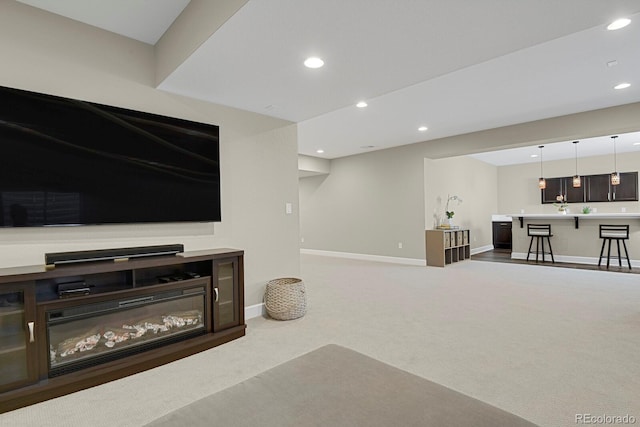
118 254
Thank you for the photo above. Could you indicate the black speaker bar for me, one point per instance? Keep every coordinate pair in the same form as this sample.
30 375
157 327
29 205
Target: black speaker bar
118 254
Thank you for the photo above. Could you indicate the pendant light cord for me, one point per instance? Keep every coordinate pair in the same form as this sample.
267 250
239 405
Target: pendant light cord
541 147
615 156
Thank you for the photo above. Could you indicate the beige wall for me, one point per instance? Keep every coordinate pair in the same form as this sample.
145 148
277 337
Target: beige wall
47 53
371 202
367 204
473 181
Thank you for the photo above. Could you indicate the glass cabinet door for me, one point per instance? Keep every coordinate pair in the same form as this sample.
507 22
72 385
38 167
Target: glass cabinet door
17 363
225 294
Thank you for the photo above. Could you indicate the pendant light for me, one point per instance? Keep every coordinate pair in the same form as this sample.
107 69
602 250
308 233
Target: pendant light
615 176
576 178
542 183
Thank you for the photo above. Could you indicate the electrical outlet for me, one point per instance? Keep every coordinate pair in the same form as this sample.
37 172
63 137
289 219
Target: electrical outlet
623 209
400 245
302 240
288 208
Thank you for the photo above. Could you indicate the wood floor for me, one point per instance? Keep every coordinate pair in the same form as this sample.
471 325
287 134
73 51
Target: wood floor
504 255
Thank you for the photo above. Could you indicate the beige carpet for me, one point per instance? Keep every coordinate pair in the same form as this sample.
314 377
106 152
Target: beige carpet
543 343
335 386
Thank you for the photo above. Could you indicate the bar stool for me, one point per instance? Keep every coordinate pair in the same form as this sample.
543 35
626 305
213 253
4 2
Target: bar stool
617 233
539 232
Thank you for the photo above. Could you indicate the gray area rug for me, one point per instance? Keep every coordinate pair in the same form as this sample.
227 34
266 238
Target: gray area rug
335 386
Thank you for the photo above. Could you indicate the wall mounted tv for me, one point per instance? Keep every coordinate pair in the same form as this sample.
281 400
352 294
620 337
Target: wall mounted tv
70 162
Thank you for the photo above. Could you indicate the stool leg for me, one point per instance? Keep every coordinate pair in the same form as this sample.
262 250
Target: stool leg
530 244
551 250
542 244
537 247
601 251
608 252
619 259
626 253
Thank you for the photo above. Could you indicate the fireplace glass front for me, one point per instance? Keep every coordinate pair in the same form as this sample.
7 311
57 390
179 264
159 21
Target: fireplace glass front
88 334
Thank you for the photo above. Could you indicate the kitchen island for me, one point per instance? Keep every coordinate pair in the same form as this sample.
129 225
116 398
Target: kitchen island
576 237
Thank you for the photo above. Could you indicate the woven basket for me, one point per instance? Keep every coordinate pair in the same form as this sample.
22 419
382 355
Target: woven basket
285 299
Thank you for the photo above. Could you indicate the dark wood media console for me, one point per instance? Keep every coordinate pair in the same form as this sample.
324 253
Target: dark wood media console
77 326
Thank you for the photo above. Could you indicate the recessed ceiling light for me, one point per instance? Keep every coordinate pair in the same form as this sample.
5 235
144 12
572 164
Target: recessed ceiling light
320 151
422 128
313 62
636 143
361 104
534 155
622 86
619 23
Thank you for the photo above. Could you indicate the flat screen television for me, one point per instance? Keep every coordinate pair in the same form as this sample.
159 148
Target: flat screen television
71 162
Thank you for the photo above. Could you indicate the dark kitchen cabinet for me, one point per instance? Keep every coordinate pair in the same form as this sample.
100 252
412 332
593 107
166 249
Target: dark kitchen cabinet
563 186
553 189
627 190
502 235
598 188
595 188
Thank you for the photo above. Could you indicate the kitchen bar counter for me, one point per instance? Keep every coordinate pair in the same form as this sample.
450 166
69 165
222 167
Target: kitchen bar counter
576 217
576 237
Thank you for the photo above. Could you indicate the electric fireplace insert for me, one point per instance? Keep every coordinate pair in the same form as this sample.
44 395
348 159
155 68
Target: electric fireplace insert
84 332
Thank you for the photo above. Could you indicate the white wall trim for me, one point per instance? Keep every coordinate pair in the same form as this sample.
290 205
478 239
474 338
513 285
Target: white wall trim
481 249
365 257
380 258
255 310
576 259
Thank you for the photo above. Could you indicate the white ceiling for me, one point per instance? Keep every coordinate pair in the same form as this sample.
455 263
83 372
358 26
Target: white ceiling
456 66
142 20
597 146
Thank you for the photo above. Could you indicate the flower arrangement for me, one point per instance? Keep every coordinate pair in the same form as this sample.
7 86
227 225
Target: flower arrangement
446 209
561 203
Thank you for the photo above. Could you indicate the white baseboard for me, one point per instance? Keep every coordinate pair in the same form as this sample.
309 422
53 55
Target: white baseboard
365 257
380 258
481 249
255 310
576 259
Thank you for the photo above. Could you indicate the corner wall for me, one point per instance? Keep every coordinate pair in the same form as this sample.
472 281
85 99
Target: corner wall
367 204
475 182
371 202
47 53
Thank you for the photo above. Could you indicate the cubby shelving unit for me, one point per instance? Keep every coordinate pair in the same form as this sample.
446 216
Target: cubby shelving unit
446 246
